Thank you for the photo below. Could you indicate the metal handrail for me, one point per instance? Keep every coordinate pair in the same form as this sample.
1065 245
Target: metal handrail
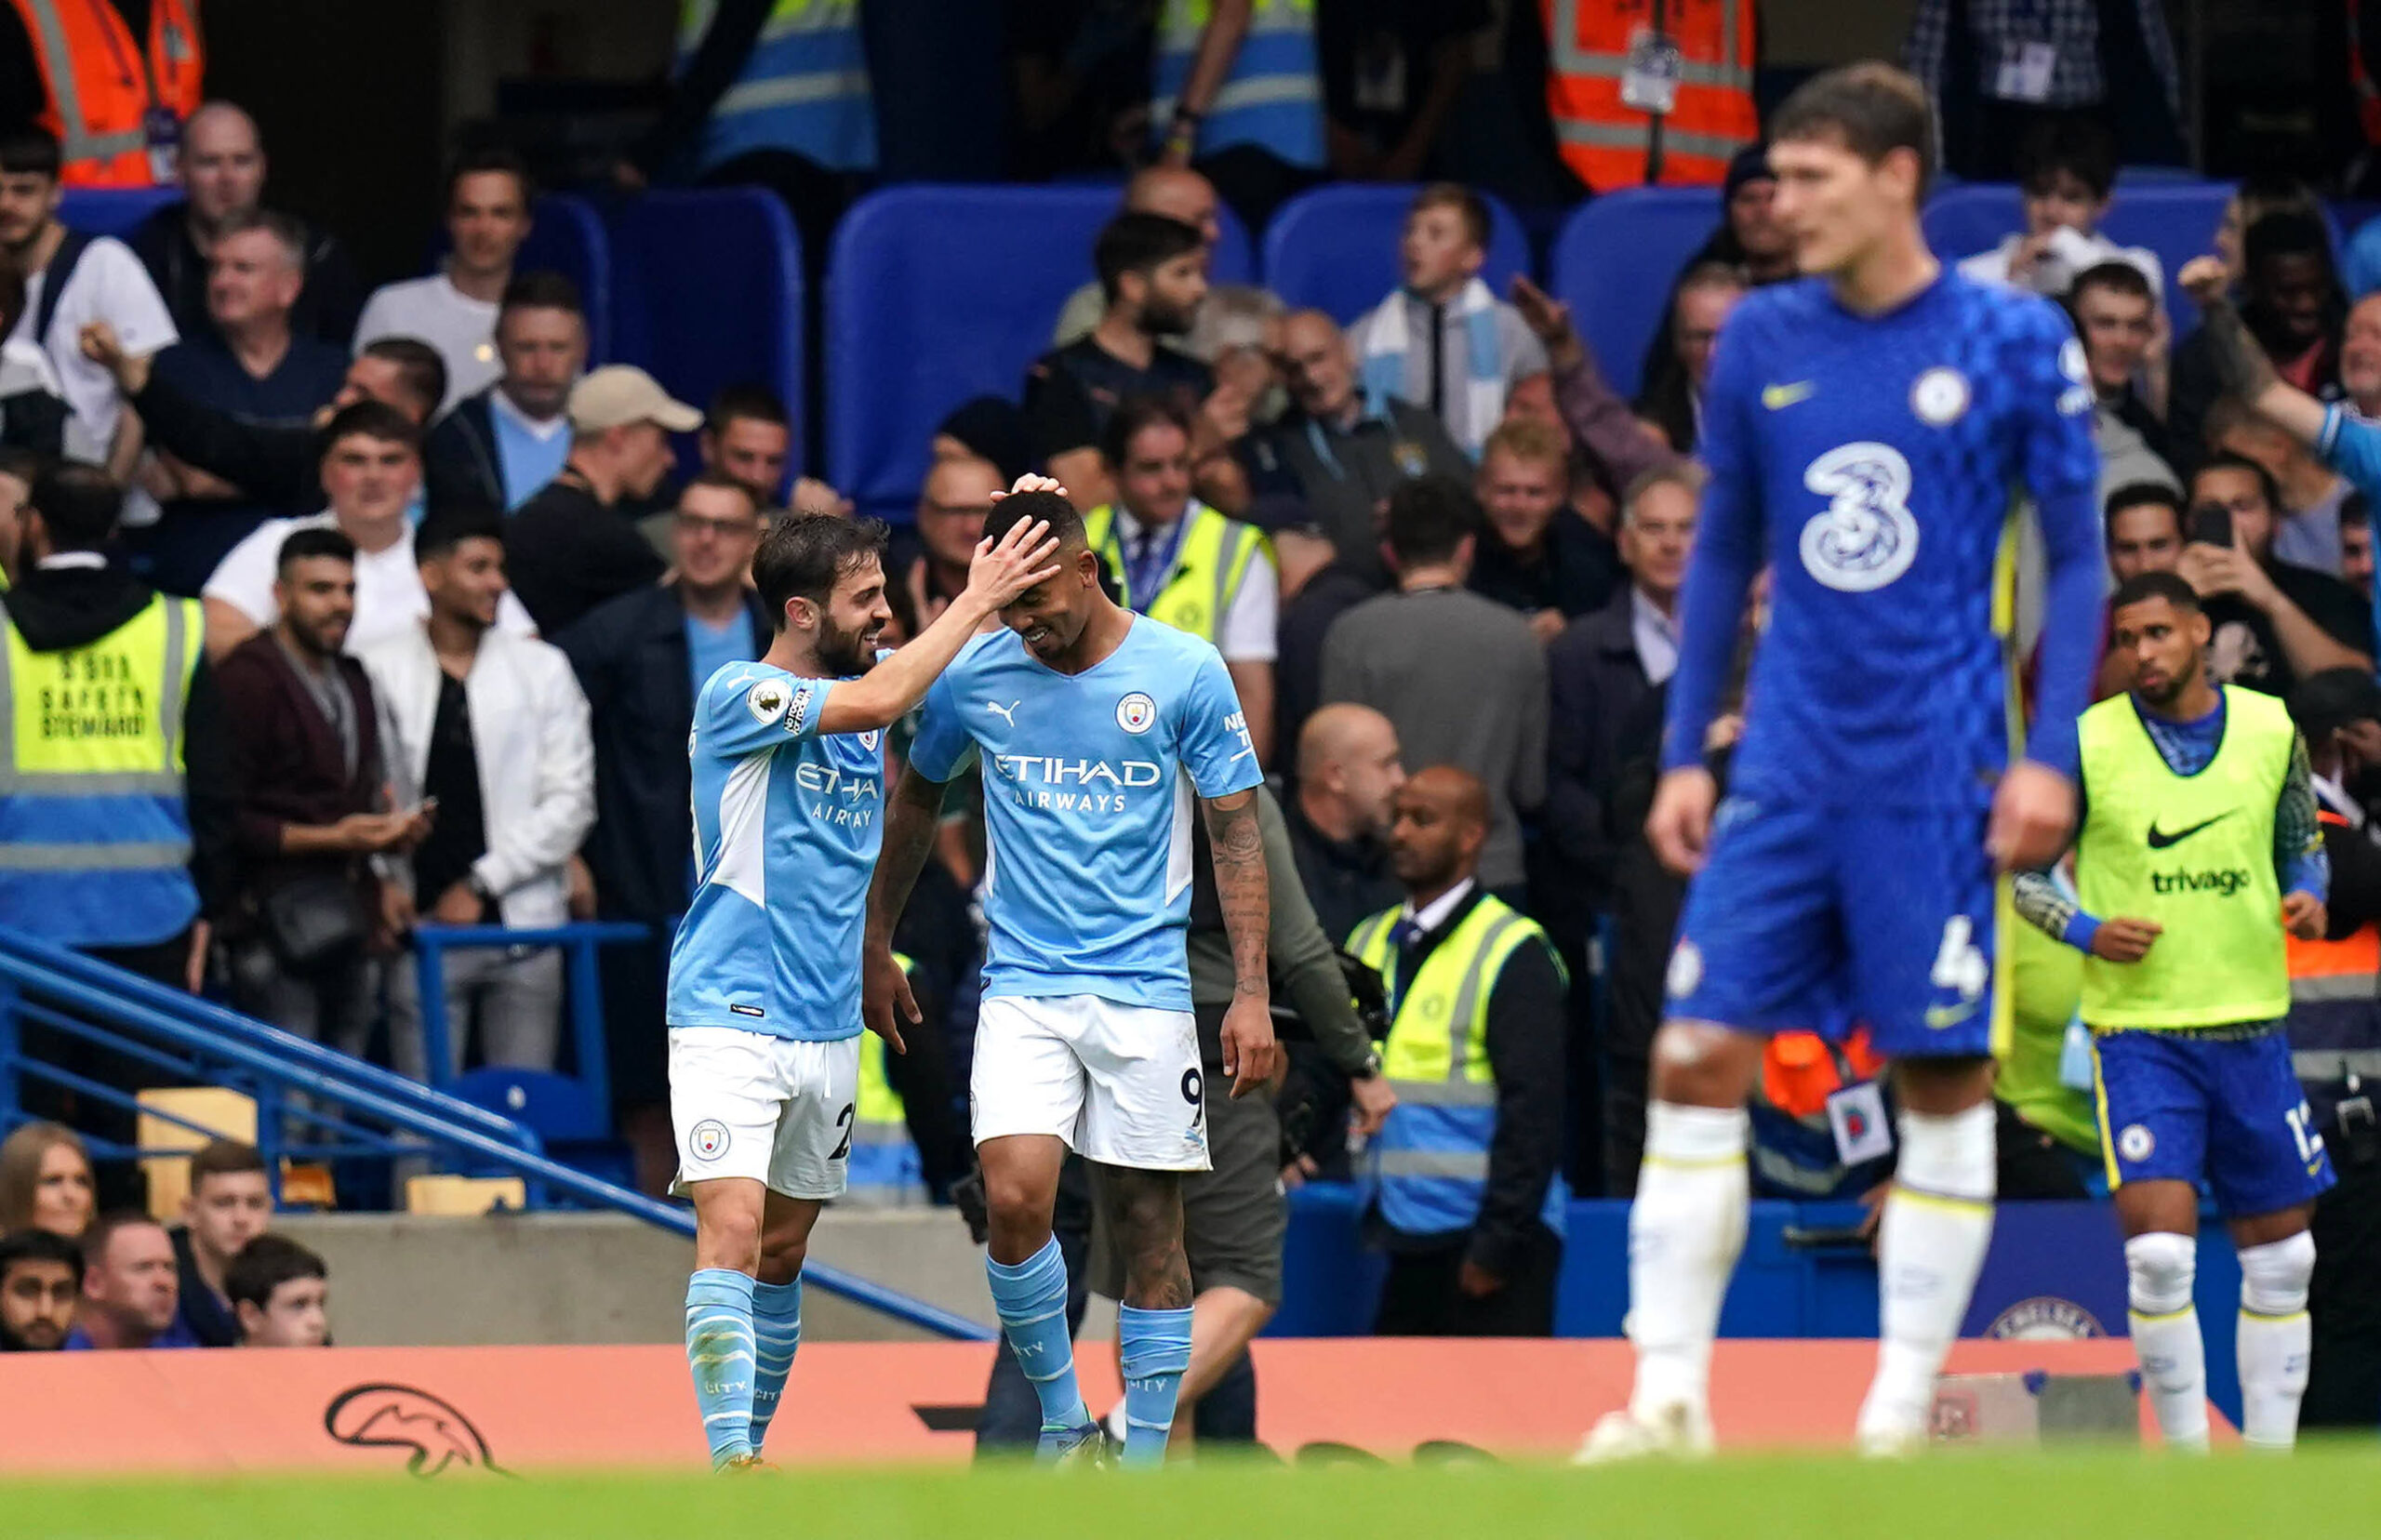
288 1063
579 940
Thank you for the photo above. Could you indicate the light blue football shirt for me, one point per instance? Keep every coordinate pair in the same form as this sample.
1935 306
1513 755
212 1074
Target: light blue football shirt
787 828
1088 787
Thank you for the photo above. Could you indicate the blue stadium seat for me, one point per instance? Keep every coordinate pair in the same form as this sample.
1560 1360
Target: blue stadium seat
573 1127
939 294
711 294
1335 249
116 211
1614 262
567 238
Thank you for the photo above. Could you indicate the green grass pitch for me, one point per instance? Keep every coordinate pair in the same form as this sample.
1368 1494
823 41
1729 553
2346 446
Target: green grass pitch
2102 1494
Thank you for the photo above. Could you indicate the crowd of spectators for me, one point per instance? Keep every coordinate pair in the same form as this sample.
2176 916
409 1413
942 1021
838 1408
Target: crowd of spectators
75 1279
456 605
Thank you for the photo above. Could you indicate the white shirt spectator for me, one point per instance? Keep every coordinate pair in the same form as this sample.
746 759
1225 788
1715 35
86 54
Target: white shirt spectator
2071 252
431 309
1250 627
389 599
110 284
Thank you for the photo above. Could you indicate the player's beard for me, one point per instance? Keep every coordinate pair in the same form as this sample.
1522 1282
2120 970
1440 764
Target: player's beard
846 653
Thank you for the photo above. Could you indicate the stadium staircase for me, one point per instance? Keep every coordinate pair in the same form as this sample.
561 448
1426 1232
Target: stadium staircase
64 1014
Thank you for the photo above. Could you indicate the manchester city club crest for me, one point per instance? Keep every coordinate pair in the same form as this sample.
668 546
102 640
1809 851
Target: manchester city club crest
869 740
708 1139
1135 713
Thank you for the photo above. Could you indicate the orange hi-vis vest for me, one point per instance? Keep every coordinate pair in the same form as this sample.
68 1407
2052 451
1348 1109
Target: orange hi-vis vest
104 83
2335 1007
1800 1071
1608 144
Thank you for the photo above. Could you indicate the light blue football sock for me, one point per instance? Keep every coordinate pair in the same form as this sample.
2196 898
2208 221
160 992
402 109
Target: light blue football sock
777 1331
1030 1298
1155 1349
718 1351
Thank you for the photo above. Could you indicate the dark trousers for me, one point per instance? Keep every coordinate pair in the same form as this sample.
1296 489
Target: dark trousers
1628 1083
2344 1372
120 1183
1254 182
1421 1298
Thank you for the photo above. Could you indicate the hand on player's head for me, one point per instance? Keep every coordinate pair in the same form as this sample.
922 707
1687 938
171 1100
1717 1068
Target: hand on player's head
1004 568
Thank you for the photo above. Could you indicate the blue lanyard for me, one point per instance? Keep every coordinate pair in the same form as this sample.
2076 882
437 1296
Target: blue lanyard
1147 575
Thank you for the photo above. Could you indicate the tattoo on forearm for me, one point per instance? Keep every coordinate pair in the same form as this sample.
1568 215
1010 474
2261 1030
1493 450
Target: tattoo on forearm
1241 887
2240 359
909 820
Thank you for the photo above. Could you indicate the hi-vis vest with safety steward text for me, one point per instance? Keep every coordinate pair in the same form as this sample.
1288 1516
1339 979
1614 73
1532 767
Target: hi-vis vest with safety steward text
1210 564
1431 1159
1608 144
804 89
94 830
2193 853
105 84
1272 99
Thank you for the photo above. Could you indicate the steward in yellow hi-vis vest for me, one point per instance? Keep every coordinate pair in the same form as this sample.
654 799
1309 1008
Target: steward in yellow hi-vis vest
95 689
1188 575
1466 1174
2199 854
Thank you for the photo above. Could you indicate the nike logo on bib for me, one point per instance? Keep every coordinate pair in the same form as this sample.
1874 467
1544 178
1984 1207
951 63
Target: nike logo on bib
2159 840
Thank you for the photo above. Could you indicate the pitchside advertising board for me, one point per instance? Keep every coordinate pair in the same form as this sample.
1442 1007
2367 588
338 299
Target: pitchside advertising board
483 1413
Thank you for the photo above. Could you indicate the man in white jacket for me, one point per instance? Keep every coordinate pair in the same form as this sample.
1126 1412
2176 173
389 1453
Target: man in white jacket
489 730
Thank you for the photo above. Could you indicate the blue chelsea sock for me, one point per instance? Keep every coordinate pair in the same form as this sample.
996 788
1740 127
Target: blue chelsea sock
1030 1298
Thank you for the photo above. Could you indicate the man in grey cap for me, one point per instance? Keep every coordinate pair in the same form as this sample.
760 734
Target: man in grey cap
571 547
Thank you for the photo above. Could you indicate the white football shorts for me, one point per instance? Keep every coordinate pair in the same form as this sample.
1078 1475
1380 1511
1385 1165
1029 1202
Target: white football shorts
1120 1083
746 1104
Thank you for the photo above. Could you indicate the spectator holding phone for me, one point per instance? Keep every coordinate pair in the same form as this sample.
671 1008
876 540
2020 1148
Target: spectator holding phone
2272 622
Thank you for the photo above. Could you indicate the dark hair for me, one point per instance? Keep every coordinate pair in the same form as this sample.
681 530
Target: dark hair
1872 107
1132 415
264 1265
1142 244
2143 586
2356 510
807 555
2133 494
418 363
103 1229
30 150
2116 277
12 295
231 1157
1429 518
1025 508
2286 233
2073 142
451 523
288 232
541 289
372 419
722 482
2227 460
40 1245
746 400
78 505
308 545
1464 201
485 158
